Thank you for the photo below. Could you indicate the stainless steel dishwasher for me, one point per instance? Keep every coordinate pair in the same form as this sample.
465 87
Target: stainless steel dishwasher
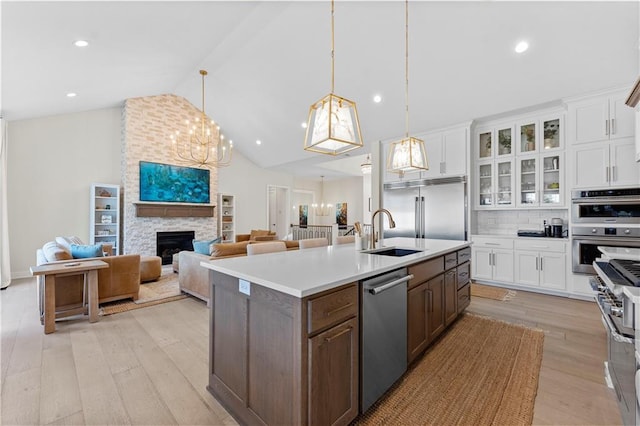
384 334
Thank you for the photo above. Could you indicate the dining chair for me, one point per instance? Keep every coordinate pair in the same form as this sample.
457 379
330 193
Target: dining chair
313 242
266 247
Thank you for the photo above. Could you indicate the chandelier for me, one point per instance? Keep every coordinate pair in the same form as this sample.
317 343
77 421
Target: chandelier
332 125
366 166
407 154
321 209
202 144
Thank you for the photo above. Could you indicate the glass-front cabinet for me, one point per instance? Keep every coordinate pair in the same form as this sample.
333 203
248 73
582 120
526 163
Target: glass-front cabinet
495 184
505 179
552 182
540 180
540 135
485 184
486 139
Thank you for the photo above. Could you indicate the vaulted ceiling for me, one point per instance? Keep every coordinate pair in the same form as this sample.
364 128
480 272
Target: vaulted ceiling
269 60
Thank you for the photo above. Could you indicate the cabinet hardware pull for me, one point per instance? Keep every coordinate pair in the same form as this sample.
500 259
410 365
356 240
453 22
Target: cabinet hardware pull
537 264
541 264
345 331
613 126
614 173
493 244
387 286
606 124
607 174
333 311
430 300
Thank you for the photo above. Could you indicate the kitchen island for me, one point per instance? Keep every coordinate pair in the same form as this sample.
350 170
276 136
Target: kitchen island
285 327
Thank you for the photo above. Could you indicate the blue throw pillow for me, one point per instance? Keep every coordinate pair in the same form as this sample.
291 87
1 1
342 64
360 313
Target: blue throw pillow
79 251
204 247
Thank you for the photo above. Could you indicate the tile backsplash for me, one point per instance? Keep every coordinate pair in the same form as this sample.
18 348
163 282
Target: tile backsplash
508 222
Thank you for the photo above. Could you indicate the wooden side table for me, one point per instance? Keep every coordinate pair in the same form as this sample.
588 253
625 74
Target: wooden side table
89 269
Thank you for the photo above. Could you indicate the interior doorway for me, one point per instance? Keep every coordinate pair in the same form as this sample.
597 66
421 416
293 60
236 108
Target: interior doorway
278 215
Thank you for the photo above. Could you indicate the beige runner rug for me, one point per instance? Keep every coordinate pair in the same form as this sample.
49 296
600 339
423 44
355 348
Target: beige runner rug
490 292
481 372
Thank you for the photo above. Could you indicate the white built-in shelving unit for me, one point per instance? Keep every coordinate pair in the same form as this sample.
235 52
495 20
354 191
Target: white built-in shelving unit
104 216
227 218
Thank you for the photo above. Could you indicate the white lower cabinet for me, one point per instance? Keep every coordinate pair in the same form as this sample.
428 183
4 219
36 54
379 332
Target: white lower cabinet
540 263
537 263
492 259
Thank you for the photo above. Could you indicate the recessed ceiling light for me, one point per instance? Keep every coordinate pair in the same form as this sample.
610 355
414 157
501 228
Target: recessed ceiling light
258 142
304 125
522 46
71 95
377 99
81 43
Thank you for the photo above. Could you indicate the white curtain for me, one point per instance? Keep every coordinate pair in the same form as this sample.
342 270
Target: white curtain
5 266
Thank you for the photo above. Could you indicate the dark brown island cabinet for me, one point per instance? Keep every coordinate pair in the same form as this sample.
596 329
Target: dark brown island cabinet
276 359
437 293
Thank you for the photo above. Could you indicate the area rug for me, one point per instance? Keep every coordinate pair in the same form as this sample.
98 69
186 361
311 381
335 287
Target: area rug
489 292
164 289
481 372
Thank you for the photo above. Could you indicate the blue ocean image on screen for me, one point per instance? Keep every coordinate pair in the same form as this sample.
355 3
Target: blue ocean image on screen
177 184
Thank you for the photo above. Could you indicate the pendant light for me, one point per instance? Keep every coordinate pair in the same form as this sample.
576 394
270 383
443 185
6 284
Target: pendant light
201 144
407 154
332 126
366 166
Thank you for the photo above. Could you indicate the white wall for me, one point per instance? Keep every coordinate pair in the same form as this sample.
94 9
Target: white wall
52 163
346 190
248 183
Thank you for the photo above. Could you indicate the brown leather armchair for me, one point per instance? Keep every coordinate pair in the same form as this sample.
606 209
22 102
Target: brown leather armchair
121 280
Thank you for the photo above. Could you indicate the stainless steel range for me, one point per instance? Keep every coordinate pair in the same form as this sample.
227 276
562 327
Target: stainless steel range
608 218
618 312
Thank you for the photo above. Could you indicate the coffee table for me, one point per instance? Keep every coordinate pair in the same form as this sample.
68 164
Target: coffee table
89 270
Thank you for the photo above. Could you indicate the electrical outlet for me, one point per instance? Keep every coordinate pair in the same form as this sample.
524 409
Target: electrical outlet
244 287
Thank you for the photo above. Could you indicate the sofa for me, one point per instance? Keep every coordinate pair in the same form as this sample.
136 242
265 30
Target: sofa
121 280
194 279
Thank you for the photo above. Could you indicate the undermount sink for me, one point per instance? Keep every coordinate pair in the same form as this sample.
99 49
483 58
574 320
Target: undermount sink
393 251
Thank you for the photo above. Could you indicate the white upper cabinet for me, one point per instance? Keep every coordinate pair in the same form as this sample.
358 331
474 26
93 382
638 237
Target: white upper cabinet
605 164
540 180
447 152
494 142
539 135
601 118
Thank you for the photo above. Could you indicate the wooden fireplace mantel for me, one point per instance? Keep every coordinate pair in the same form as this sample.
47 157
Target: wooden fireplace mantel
173 210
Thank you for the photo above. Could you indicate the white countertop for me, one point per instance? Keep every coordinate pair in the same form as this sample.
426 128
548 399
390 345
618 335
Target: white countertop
620 253
301 273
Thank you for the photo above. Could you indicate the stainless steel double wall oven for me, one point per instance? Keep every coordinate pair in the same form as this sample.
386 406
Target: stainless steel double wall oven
608 218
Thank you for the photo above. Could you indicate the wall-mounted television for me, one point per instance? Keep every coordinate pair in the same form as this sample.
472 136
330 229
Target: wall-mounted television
173 184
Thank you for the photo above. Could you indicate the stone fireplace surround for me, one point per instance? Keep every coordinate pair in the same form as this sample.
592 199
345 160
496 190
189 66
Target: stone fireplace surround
147 124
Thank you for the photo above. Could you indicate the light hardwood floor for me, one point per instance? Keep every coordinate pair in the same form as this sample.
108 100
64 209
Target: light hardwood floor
149 366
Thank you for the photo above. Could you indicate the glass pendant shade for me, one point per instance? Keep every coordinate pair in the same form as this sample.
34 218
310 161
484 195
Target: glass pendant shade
333 127
407 155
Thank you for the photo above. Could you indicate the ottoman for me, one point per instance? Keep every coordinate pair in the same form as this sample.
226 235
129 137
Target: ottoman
150 268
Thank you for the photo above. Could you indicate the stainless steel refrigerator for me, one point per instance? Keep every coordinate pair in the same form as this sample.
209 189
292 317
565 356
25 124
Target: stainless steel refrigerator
427 208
